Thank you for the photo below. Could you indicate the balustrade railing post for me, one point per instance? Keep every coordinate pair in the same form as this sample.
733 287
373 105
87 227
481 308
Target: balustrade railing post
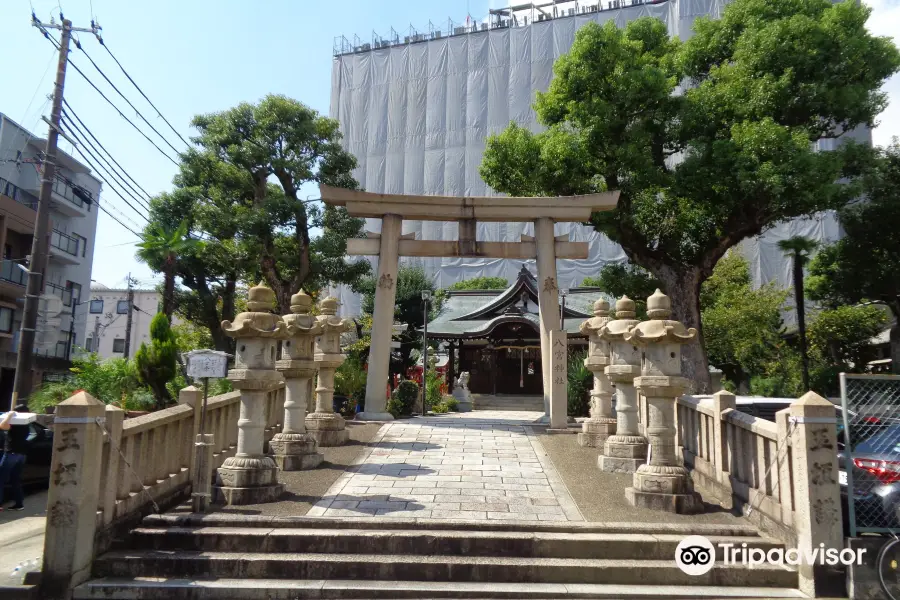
109 485
722 401
74 495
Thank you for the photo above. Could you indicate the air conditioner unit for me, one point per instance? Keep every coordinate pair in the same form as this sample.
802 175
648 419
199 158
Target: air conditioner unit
406 39
366 47
484 26
436 35
357 48
459 30
541 17
571 12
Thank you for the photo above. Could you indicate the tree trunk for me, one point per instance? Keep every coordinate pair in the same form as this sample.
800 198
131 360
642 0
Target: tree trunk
801 319
684 287
895 347
168 306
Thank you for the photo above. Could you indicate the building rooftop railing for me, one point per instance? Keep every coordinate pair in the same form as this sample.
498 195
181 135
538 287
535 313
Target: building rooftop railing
499 18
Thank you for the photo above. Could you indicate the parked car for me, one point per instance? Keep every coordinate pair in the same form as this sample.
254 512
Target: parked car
876 476
37 458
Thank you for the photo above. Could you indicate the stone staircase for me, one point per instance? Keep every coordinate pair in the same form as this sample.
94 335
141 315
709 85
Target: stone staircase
232 556
488 402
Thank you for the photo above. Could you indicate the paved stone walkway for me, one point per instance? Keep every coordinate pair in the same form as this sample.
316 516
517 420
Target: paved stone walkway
479 465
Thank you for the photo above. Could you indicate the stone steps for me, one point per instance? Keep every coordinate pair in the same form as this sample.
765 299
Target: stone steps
487 402
435 568
448 542
248 557
294 589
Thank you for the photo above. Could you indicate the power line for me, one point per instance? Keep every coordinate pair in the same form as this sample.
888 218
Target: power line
84 155
30 102
105 47
119 179
99 70
110 102
68 110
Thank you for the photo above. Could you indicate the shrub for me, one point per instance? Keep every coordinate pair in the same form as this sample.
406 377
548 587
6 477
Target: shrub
395 407
156 363
434 384
451 403
406 394
580 381
440 408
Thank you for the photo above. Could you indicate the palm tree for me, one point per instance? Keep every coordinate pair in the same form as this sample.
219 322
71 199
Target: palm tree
160 249
799 249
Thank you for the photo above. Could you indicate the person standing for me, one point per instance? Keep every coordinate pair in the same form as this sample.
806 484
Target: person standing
13 461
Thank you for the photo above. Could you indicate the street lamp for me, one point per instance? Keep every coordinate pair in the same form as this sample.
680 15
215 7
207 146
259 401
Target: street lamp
426 296
562 314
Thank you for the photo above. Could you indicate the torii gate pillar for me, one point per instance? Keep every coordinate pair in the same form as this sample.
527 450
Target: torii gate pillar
383 321
548 300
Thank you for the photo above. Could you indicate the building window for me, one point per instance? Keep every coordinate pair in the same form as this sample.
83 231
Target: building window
6 319
119 345
82 242
122 307
96 307
88 343
74 293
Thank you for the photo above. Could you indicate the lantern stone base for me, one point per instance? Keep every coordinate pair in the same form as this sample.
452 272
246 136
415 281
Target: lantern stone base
664 488
623 454
247 480
595 433
328 429
295 452
374 416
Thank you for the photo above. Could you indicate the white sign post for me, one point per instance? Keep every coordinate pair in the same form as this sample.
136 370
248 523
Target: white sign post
203 364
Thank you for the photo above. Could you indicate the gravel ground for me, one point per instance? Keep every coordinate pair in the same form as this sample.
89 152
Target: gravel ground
305 488
601 496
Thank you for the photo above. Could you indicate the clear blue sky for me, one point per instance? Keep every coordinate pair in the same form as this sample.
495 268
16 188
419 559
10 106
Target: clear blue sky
198 56
189 57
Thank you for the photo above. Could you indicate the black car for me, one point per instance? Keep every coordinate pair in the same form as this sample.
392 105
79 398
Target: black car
37 458
876 476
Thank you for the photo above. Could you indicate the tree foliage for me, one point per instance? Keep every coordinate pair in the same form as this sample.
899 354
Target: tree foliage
865 264
480 283
743 326
156 364
626 279
408 309
709 141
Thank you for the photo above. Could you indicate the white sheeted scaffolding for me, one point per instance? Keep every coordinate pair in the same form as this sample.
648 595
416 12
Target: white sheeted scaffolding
417 116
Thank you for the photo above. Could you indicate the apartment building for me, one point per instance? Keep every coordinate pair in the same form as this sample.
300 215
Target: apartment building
73 228
108 319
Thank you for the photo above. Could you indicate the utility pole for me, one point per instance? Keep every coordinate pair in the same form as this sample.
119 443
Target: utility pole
75 303
95 346
128 319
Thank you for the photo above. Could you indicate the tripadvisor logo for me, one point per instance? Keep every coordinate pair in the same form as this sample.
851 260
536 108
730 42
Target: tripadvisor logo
696 555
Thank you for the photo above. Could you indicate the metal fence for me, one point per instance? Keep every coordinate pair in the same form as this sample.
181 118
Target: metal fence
870 458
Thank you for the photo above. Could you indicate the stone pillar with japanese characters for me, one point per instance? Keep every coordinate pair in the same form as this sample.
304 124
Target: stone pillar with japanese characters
294 449
627 449
324 425
663 483
559 401
602 423
251 477
72 500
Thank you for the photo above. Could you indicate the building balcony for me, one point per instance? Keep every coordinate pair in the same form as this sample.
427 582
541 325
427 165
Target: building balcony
12 280
63 293
70 200
65 248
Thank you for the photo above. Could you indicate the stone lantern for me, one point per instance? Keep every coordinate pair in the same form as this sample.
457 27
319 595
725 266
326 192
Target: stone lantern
324 425
625 451
250 477
601 423
663 484
293 449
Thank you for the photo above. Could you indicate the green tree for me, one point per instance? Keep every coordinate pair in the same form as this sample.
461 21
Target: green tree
743 326
865 264
709 141
841 336
627 279
161 247
272 149
480 283
408 309
799 249
156 364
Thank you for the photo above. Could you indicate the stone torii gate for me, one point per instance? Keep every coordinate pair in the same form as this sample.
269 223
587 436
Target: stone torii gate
390 245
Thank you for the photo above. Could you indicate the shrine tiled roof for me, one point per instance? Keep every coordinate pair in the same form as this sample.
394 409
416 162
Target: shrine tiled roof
476 313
